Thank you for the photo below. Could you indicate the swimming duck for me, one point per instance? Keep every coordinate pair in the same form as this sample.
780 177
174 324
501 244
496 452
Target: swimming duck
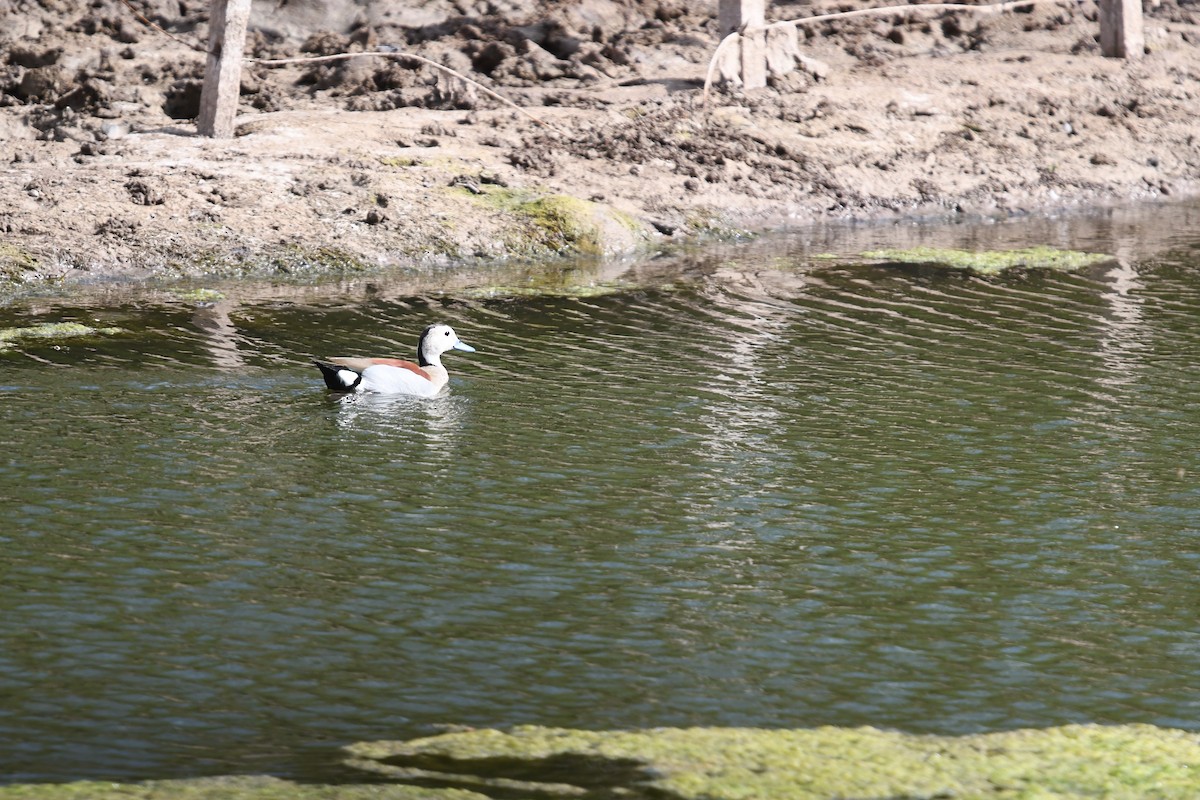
393 375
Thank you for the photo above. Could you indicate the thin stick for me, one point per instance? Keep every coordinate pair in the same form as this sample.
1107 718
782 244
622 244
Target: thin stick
993 8
144 21
272 62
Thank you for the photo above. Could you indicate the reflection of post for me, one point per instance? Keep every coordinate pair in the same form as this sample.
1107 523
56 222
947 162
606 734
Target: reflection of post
222 335
223 72
1123 325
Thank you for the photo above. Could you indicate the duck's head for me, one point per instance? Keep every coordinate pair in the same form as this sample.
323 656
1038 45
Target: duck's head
437 339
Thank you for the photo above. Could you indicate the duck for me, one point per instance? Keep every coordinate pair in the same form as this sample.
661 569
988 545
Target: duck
425 378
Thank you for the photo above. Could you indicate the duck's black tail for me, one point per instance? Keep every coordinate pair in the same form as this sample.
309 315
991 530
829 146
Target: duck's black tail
338 379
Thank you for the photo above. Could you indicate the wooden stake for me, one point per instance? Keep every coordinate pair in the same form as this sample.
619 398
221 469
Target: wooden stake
1121 29
227 22
733 14
750 17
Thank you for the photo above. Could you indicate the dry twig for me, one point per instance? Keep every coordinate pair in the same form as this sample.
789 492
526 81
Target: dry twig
273 62
142 19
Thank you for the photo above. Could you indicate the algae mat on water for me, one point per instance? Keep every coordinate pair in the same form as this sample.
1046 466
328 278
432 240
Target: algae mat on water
240 787
52 330
991 262
1075 761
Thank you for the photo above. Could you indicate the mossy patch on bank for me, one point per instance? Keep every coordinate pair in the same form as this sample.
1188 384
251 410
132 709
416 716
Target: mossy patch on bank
711 225
559 224
563 224
990 262
15 263
19 270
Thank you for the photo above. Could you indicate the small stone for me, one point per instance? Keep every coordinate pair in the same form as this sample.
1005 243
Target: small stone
144 193
115 130
463 182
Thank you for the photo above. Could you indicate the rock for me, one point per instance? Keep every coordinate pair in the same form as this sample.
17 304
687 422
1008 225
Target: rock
782 49
818 69
41 84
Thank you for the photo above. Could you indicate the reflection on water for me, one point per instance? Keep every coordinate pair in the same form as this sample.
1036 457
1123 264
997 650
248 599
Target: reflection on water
438 423
1123 337
764 493
220 333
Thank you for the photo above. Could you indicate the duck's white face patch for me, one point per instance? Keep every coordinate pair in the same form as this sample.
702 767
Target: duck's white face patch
347 376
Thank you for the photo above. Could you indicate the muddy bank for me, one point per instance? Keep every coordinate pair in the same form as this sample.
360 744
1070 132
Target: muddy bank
373 162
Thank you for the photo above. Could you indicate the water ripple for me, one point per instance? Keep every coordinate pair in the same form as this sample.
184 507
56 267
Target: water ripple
763 495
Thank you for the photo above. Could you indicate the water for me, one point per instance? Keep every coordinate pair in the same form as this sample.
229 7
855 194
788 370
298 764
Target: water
751 493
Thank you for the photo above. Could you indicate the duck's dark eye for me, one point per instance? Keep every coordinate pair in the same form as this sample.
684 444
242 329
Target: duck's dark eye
447 333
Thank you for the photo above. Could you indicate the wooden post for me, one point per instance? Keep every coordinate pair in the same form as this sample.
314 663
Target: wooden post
748 16
1121 29
227 22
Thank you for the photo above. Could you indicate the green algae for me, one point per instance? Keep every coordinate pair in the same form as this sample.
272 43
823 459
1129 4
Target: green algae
555 224
252 787
15 263
52 330
558 224
399 162
991 262
712 226
564 224
19 270
1074 761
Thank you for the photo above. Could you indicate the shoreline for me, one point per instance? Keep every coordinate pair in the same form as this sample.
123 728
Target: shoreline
952 117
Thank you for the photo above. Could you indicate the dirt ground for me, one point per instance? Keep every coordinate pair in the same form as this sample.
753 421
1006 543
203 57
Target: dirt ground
383 160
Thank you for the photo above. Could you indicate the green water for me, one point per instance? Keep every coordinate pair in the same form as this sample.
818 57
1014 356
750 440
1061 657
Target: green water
763 489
